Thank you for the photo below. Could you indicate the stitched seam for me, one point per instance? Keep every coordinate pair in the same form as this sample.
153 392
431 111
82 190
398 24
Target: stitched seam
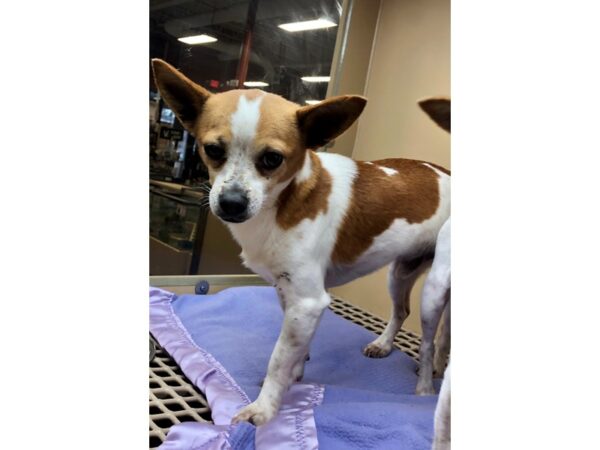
223 433
205 445
301 416
300 436
316 396
209 359
175 323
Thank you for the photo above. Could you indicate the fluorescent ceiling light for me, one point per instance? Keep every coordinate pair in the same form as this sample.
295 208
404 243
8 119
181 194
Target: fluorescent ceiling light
255 83
315 79
313 102
308 25
198 39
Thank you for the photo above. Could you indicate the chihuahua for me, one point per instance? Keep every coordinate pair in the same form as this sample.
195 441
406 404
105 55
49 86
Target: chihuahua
434 300
307 221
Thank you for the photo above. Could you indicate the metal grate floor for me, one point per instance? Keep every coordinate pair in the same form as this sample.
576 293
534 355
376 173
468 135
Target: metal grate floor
174 399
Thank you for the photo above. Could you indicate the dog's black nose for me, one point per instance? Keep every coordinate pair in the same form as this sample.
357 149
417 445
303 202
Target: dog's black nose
234 205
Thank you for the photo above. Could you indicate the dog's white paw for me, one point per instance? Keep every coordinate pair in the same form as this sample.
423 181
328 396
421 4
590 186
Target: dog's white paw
377 350
255 413
425 388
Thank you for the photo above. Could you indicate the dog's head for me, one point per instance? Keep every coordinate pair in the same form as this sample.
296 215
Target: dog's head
438 109
253 143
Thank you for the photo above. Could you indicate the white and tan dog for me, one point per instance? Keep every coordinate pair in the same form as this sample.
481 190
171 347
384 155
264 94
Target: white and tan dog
307 221
435 299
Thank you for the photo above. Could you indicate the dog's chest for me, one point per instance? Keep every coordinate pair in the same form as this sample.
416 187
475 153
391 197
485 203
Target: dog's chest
265 248
269 250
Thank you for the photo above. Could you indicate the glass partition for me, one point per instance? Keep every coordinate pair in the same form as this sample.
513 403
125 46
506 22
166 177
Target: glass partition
279 46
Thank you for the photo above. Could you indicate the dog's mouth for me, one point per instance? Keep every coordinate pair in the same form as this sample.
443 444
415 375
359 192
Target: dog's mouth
233 219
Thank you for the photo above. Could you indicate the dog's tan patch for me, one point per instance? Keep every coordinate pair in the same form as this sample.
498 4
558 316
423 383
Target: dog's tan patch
278 130
215 120
307 199
378 199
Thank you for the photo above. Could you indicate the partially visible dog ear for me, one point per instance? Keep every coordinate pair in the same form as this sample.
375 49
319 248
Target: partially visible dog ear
438 108
181 94
326 120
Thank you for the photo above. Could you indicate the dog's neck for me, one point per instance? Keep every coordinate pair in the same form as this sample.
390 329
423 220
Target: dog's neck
306 196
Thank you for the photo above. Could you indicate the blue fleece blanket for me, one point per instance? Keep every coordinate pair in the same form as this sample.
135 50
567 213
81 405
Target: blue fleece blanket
365 404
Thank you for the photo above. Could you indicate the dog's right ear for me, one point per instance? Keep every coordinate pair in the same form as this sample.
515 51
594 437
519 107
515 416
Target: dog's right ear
438 109
323 122
181 94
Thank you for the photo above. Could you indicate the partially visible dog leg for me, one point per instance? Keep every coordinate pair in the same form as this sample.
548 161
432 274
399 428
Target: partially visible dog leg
441 425
432 307
442 349
401 279
298 370
302 314
436 292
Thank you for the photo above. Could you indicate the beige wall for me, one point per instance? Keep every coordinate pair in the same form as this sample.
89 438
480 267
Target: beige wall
220 252
410 60
351 64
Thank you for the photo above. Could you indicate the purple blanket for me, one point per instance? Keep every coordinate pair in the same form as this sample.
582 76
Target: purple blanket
222 343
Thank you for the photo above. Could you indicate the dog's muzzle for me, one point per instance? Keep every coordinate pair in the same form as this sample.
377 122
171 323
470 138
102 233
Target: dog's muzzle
233 205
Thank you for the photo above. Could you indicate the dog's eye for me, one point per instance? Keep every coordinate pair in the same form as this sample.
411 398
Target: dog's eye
214 152
270 160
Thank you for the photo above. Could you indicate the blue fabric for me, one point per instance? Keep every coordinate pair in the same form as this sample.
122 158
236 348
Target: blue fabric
368 403
242 438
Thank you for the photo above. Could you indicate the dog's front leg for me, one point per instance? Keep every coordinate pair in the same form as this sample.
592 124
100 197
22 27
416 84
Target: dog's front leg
301 317
298 370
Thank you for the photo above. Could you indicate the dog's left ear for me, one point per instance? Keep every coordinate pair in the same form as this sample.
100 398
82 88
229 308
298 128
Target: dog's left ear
438 109
325 121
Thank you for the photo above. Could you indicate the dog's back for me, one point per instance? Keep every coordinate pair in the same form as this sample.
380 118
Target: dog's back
396 208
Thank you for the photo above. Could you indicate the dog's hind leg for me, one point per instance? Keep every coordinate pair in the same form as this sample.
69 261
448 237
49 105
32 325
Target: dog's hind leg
401 279
442 348
432 306
435 296
441 427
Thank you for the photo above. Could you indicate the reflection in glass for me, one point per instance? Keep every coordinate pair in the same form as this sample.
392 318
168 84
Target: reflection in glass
278 46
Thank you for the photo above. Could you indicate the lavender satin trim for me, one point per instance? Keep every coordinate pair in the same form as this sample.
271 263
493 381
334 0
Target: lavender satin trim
197 436
224 395
294 427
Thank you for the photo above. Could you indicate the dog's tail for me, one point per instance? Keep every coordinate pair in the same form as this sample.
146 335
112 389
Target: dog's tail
438 108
